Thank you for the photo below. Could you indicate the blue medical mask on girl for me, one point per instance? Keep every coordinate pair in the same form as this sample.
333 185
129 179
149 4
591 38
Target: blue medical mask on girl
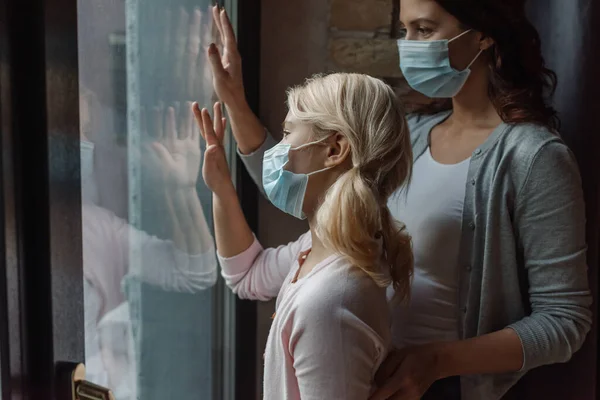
426 67
285 189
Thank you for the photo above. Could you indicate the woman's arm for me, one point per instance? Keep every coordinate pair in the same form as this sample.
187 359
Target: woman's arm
408 373
229 86
550 221
250 134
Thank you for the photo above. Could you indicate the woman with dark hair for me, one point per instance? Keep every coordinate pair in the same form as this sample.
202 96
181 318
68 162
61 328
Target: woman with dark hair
495 207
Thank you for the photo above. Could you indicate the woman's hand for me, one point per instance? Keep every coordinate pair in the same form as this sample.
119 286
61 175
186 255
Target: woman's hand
227 69
215 171
408 373
177 147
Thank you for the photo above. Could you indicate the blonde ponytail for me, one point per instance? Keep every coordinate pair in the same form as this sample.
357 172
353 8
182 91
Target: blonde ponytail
352 221
353 218
398 255
348 220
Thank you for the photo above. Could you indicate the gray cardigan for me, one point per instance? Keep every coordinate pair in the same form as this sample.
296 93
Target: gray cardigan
522 258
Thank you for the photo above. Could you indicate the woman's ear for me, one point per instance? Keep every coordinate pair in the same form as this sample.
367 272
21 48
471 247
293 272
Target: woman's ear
486 42
338 150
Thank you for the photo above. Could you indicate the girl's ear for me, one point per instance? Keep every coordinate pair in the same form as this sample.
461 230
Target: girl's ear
339 150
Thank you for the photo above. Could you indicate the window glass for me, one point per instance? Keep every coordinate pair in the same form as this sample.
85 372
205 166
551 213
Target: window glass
150 268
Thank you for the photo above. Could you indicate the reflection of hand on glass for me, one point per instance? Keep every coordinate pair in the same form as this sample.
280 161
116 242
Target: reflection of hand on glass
180 70
185 263
177 148
175 151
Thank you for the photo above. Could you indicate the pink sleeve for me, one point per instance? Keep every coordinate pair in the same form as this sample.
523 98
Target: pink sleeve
160 263
257 273
338 341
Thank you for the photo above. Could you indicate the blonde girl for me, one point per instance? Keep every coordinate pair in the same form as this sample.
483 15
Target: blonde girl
346 150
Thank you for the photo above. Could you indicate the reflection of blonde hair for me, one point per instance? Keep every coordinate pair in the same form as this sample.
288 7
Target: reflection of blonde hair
353 218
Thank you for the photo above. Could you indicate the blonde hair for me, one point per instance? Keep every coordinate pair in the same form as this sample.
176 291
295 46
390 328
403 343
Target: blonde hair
353 218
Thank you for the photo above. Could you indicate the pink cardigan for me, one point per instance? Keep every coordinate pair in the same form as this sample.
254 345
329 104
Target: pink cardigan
331 329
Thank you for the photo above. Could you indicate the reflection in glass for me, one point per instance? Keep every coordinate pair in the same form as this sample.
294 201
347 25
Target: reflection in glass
148 253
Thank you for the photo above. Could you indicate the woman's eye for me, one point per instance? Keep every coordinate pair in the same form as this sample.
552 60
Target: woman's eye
285 133
402 33
424 31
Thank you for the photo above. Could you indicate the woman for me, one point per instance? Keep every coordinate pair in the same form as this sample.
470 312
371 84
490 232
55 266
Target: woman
495 208
346 149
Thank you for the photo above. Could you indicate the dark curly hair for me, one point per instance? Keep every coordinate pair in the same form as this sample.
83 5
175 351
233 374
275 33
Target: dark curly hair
521 86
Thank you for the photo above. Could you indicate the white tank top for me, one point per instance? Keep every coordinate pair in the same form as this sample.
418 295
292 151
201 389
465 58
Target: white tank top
432 211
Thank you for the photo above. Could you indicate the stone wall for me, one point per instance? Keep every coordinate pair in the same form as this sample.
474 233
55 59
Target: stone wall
362 37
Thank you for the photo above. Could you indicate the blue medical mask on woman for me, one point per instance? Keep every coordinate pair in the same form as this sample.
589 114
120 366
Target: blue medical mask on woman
426 67
285 189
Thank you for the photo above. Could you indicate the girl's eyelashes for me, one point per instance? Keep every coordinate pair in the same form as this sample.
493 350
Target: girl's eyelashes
286 132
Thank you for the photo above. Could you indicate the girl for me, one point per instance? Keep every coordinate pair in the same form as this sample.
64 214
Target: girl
345 150
495 210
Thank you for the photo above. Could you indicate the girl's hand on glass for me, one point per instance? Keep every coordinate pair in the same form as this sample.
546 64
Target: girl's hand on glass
226 65
215 170
177 146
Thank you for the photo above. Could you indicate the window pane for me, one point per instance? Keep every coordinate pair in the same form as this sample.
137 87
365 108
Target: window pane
149 260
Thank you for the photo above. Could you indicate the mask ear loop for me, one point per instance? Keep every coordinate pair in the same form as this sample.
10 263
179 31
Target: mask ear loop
459 36
475 59
310 144
478 54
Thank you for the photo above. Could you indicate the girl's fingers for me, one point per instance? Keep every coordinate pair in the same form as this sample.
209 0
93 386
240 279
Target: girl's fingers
207 127
218 124
198 117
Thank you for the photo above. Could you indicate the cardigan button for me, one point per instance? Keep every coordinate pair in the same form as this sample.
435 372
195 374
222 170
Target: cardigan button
472 225
473 181
477 152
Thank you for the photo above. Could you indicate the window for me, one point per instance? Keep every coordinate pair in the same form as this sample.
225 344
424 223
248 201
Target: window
154 311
